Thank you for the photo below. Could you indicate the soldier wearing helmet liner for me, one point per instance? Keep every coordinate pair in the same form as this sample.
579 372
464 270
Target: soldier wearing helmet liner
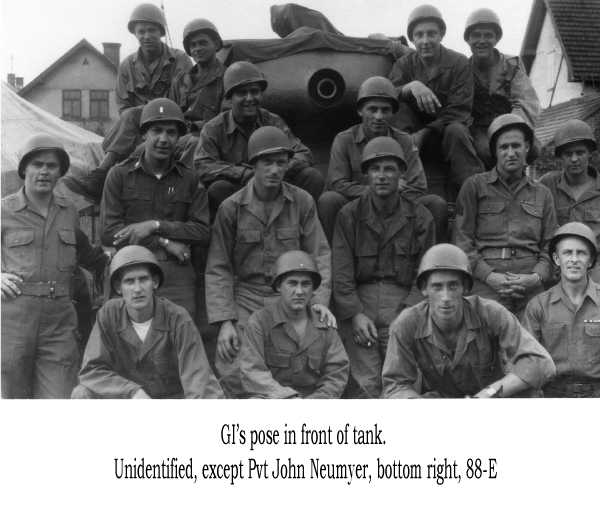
376 104
566 318
377 245
41 246
159 203
501 82
144 75
144 346
287 352
252 229
435 89
221 156
576 188
463 345
505 220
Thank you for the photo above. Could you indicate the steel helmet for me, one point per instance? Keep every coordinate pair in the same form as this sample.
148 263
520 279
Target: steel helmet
162 109
242 73
130 256
444 257
575 229
267 140
42 142
200 25
573 131
483 17
147 12
378 87
292 262
424 13
504 122
381 147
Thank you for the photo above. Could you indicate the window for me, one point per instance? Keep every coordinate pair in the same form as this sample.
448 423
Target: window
99 104
72 104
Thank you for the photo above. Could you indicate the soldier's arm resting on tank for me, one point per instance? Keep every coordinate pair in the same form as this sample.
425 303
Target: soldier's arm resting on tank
256 377
197 378
400 366
9 287
334 377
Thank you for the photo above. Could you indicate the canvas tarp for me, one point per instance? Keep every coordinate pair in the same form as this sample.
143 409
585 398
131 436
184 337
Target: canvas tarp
287 18
21 119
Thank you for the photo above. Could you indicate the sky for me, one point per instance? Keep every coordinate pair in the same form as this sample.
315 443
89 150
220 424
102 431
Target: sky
36 33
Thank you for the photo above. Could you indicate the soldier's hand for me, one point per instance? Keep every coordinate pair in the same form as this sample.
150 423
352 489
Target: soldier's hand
365 332
500 284
420 136
402 185
426 100
524 283
228 343
141 394
135 233
325 315
9 287
180 251
247 174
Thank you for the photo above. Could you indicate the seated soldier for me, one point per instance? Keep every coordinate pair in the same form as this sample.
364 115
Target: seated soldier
501 83
287 352
377 245
566 318
435 89
376 104
463 345
143 76
576 187
221 156
143 346
252 229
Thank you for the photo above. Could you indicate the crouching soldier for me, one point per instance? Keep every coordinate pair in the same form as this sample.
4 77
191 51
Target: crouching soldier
566 318
463 346
288 352
144 346
377 245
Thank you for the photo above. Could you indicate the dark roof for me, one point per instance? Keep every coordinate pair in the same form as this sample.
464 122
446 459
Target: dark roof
80 45
577 24
550 118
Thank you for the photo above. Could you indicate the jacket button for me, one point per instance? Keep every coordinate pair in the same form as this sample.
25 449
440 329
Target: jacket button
267 234
295 371
242 238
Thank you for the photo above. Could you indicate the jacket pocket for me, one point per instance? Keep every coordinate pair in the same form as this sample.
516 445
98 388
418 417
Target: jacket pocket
289 237
67 253
592 215
591 340
428 365
277 359
314 363
483 368
161 365
554 340
490 220
136 194
20 252
405 261
531 226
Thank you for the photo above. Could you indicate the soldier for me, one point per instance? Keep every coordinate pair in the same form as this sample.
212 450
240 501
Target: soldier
159 203
463 345
287 352
566 318
376 104
41 246
253 227
435 88
505 220
378 242
144 75
576 188
501 82
143 346
221 156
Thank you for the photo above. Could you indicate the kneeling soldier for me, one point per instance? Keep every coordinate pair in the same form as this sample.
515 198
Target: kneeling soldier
463 346
288 352
144 346
566 318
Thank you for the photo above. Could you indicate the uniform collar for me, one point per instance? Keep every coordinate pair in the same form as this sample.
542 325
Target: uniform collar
247 193
279 317
166 52
216 71
592 291
232 125
21 201
360 135
592 172
493 176
141 164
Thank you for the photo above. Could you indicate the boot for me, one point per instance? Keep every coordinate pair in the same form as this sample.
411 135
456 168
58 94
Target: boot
90 187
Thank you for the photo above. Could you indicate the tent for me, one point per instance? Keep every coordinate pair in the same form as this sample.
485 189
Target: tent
21 119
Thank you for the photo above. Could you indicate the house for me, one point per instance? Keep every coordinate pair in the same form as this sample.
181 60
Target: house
561 52
79 87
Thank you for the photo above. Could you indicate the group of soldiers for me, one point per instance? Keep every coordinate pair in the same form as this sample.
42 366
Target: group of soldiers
194 161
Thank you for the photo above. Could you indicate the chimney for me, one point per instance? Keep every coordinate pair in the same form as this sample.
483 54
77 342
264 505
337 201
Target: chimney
11 79
19 82
112 51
